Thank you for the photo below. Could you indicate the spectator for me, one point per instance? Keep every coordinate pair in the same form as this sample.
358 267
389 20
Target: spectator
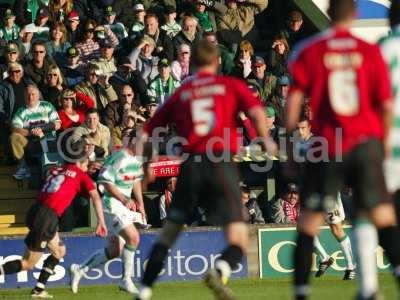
42 33
205 11
253 213
10 31
12 98
102 33
142 59
96 86
11 55
181 68
27 10
106 62
124 11
164 84
227 57
189 34
115 110
240 17
57 46
59 10
275 131
244 60
286 210
122 133
265 81
73 29
294 32
74 69
117 28
37 67
26 35
73 108
31 126
278 100
88 48
305 140
171 27
92 128
151 108
126 74
278 56
164 47
52 86
138 22
166 198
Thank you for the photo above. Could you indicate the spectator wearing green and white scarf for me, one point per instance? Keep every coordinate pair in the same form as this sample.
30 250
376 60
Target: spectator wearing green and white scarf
206 11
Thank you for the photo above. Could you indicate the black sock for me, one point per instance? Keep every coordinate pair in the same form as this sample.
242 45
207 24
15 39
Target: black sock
302 263
47 270
232 255
389 240
11 267
155 264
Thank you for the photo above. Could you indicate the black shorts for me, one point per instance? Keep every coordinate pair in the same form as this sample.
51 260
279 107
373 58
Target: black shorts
43 226
213 186
361 169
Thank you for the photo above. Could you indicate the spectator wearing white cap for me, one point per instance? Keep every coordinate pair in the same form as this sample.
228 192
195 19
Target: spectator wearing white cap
11 55
73 29
181 68
26 35
138 22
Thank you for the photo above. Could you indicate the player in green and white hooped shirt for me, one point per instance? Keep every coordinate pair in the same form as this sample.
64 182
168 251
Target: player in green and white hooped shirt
37 121
120 177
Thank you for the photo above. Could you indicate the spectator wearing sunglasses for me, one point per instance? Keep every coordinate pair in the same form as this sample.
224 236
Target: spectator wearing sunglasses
38 66
52 86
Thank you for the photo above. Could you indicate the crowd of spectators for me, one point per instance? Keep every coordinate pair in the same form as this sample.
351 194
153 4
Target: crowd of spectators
98 69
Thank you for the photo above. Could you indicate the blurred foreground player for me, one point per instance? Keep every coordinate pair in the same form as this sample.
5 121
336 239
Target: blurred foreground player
60 188
205 109
348 83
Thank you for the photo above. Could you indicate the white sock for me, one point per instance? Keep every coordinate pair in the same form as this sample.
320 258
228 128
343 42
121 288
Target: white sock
320 250
224 267
345 244
365 243
127 260
99 257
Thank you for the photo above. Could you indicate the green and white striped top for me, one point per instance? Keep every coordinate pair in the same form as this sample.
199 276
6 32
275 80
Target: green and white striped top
390 47
121 170
38 116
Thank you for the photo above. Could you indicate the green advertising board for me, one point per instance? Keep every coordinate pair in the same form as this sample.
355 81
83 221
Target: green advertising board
276 246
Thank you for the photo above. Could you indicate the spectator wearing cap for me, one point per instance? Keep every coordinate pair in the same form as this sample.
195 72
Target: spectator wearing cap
73 70
294 31
278 56
10 30
74 32
116 27
275 131
26 35
27 10
115 110
164 47
52 85
151 108
286 210
96 86
103 33
37 67
189 34
278 100
57 45
12 98
252 211
88 47
181 68
227 57
73 108
127 75
244 60
60 9
240 17
96 9
106 62
164 84
11 55
265 81
138 21
121 133
171 27
142 59
206 11
42 26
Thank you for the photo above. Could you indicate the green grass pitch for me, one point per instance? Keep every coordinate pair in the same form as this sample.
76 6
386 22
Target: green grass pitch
326 288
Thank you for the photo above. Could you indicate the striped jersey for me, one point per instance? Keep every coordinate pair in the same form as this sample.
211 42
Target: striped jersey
121 169
38 116
390 47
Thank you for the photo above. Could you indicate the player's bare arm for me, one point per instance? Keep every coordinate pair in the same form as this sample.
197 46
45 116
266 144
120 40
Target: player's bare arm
114 192
101 228
138 197
387 111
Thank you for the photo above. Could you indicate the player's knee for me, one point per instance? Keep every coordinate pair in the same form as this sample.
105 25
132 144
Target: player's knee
133 240
309 222
383 215
238 234
170 233
337 231
27 265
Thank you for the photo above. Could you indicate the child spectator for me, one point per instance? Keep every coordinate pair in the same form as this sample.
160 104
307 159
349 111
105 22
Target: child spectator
171 26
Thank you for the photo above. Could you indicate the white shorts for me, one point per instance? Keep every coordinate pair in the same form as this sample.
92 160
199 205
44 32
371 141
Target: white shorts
391 169
120 217
335 214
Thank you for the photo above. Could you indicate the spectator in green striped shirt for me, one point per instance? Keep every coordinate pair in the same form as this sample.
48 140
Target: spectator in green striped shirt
31 127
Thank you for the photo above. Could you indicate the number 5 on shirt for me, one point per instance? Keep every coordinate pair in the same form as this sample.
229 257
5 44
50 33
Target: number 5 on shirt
203 115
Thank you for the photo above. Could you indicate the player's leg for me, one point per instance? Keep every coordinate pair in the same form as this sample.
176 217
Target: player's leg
26 263
57 252
325 261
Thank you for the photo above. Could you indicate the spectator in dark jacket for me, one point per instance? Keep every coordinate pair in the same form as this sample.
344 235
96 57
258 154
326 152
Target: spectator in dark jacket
74 32
244 60
37 67
11 55
73 71
189 34
278 56
253 213
294 31
52 86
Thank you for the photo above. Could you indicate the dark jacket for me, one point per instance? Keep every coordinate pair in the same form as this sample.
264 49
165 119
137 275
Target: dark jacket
136 82
181 38
23 16
114 112
51 94
164 41
38 75
277 63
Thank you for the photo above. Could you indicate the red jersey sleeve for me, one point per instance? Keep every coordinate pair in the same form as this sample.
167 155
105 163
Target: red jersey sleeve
382 87
163 115
85 102
299 72
87 184
246 99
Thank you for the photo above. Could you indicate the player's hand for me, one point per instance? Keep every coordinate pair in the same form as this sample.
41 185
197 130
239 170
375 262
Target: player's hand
101 229
131 205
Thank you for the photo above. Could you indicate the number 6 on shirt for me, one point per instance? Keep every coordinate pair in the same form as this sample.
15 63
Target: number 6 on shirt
343 92
203 115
